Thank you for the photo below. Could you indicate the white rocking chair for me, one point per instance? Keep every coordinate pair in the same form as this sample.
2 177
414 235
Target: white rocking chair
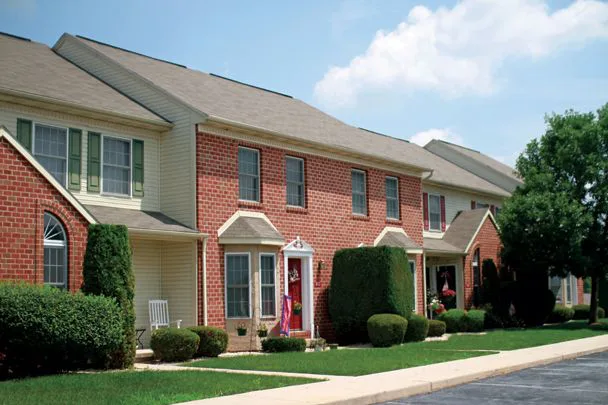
159 315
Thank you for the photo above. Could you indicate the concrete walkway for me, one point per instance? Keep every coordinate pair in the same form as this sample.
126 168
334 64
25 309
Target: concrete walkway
381 387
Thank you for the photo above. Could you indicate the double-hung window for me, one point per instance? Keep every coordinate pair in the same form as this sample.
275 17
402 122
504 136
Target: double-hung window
267 284
249 174
116 166
412 264
51 150
359 192
295 181
434 212
392 197
237 285
55 253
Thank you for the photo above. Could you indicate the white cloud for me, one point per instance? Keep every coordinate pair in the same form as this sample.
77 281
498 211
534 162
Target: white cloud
349 13
424 137
457 51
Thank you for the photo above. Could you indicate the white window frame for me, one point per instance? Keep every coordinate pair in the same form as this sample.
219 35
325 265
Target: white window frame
130 195
441 219
226 284
563 293
303 181
274 258
352 192
57 244
409 261
67 146
398 198
257 151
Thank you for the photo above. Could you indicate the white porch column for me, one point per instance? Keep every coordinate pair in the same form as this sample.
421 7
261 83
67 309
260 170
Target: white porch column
311 298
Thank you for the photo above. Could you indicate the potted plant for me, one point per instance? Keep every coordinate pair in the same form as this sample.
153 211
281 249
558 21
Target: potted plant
241 329
297 308
262 330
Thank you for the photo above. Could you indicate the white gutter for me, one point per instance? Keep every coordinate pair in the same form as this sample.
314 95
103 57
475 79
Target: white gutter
160 234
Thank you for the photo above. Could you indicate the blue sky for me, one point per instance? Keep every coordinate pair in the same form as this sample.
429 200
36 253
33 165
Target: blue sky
478 72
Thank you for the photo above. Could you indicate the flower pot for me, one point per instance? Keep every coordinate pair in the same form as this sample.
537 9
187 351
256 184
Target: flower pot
297 311
241 332
262 333
333 346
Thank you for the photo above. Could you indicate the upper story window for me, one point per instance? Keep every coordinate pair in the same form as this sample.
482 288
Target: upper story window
51 150
116 166
237 285
249 174
434 212
392 197
359 192
55 252
295 181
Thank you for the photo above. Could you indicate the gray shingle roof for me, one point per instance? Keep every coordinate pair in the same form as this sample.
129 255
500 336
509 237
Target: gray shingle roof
251 228
397 239
33 68
135 219
458 236
439 245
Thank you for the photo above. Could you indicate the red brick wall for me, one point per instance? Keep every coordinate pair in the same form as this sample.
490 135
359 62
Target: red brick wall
327 223
24 197
488 243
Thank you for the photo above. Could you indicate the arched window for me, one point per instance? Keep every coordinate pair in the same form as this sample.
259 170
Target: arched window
55 252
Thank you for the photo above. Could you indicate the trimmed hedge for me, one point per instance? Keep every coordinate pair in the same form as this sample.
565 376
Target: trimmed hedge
44 330
283 344
533 301
490 283
367 281
454 320
107 271
474 320
581 312
417 329
436 328
561 314
173 344
385 330
213 341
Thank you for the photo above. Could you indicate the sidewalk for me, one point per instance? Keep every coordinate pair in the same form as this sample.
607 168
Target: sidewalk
391 385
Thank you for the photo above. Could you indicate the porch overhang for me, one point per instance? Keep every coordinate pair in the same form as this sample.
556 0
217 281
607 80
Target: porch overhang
396 237
249 228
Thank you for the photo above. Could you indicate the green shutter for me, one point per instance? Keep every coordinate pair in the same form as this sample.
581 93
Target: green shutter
24 133
138 168
75 149
94 162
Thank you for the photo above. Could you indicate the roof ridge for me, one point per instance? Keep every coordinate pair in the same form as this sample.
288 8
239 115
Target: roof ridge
384 135
130 51
459 146
245 84
6 34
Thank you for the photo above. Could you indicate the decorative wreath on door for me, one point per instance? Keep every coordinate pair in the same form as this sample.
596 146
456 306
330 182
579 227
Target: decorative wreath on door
293 275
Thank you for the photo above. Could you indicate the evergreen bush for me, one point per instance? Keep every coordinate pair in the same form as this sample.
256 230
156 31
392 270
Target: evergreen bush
436 328
173 344
283 344
386 330
417 329
561 314
213 341
454 320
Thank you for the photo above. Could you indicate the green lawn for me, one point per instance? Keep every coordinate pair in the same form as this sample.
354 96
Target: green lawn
134 387
367 361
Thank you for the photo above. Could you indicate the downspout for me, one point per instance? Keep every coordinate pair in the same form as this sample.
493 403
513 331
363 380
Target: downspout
424 306
205 311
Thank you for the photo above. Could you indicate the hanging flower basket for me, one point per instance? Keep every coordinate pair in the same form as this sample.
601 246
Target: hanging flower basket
297 308
241 330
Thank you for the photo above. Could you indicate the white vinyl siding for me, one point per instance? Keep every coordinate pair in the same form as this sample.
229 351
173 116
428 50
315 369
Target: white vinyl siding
238 285
392 197
249 174
50 147
359 192
434 212
116 171
268 284
294 168
179 280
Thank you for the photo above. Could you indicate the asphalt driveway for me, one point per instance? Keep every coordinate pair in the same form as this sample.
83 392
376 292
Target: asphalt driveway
580 381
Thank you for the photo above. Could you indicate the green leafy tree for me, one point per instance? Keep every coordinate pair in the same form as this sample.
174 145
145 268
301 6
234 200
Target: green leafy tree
555 223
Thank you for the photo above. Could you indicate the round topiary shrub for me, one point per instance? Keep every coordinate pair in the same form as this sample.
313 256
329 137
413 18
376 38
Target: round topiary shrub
417 329
385 330
283 344
533 304
581 312
474 320
173 344
561 314
436 328
213 341
454 320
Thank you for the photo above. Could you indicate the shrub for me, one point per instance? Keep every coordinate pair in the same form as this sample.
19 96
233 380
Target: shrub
173 344
561 314
283 344
45 330
533 304
582 311
454 320
379 278
107 271
213 341
490 283
417 329
474 320
436 328
385 330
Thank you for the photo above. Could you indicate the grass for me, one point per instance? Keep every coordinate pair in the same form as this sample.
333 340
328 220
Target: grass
134 387
366 361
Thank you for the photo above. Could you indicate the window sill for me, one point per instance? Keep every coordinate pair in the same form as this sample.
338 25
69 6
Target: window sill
250 204
359 217
296 209
394 221
123 196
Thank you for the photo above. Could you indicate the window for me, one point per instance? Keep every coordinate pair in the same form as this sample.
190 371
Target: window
481 205
51 150
434 212
116 176
359 192
392 198
237 285
413 271
249 174
476 279
555 284
267 276
55 253
295 181
569 290
496 211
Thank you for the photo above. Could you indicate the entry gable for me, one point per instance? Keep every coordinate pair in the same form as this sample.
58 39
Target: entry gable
249 228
